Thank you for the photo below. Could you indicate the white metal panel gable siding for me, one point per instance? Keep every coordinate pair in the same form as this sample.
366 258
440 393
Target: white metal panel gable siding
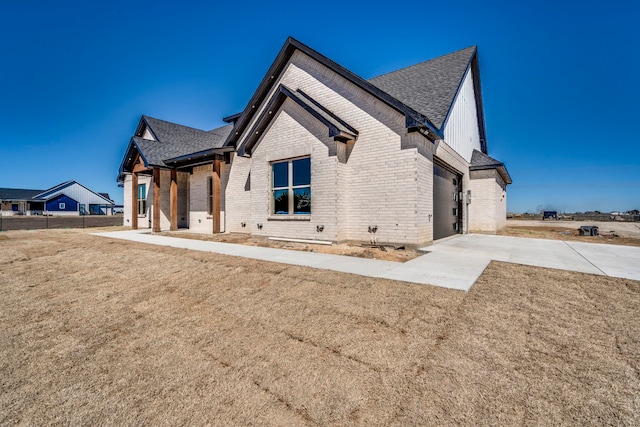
81 194
461 128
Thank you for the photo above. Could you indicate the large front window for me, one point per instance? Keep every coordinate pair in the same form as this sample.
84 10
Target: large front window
291 187
142 199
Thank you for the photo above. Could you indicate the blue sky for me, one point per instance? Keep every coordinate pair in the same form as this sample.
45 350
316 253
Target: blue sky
560 81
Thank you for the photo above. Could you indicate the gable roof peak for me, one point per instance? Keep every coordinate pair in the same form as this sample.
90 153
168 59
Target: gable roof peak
413 117
429 87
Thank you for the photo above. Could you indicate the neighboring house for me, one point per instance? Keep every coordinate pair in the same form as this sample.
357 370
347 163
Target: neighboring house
321 154
68 198
17 201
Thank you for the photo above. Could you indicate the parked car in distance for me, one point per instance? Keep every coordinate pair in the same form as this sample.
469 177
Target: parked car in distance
549 215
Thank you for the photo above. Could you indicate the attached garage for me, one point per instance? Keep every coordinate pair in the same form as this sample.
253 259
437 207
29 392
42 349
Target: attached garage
447 206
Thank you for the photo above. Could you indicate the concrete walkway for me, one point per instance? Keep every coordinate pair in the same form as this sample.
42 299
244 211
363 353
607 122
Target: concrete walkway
452 263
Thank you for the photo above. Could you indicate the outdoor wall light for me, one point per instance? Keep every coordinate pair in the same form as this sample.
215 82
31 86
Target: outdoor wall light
259 225
319 228
373 228
243 224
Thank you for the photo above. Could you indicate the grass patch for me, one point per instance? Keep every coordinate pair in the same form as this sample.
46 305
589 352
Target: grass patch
97 331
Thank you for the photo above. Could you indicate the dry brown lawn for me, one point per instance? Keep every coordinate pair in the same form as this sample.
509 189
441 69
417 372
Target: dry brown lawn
99 331
567 233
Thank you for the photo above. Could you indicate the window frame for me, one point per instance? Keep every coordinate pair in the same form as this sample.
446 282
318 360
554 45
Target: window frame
290 188
210 196
62 206
142 201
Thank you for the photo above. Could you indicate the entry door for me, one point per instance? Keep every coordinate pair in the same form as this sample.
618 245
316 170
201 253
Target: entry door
447 212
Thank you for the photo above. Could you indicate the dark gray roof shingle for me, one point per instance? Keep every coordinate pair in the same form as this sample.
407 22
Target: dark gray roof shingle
480 161
175 140
16 194
428 87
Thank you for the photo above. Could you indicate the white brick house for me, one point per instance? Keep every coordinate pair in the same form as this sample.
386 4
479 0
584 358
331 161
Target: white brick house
322 154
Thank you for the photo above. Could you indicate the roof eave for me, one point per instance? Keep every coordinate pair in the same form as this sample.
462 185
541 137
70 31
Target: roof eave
500 167
338 128
195 159
232 118
505 174
128 157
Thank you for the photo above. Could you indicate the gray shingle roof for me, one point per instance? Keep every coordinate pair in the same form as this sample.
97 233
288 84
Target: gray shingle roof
18 194
175 140
428 87
480 161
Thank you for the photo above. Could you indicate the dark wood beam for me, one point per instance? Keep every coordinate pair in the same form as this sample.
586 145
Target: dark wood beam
156 201
138 165
173 200
134 201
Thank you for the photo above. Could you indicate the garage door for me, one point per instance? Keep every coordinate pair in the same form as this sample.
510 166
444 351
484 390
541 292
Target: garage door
447 212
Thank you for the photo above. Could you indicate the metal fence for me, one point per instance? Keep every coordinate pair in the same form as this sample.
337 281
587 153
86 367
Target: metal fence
35 222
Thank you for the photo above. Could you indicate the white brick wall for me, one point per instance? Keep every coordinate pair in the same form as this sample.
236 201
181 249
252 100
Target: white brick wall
377 186
199 220
488 209
294 133
238 195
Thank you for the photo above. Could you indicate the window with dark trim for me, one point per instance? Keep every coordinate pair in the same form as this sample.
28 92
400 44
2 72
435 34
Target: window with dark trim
142 199
61 206
209 195
291 187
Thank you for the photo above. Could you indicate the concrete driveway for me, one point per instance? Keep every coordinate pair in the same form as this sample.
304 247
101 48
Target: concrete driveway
452 263
458 262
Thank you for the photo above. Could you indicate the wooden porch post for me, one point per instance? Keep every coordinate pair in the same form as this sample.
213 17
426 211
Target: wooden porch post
156 201
216 196
173 200
134 201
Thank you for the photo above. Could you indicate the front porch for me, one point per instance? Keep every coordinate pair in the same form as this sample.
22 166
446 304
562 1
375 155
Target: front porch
168 199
